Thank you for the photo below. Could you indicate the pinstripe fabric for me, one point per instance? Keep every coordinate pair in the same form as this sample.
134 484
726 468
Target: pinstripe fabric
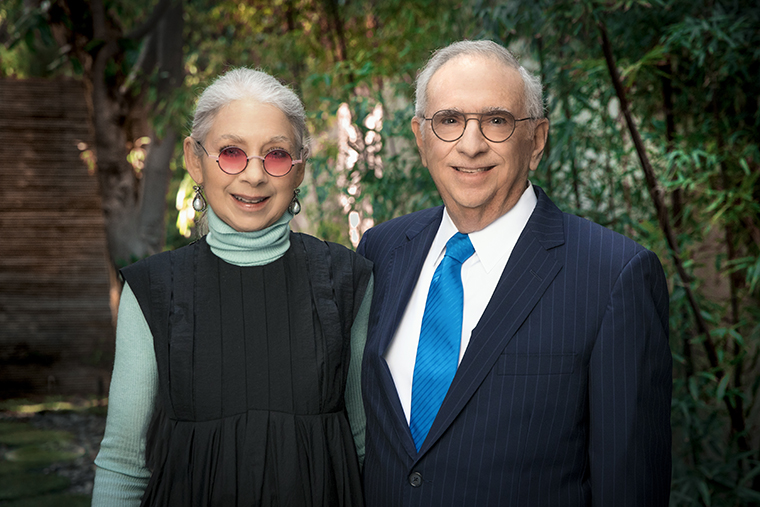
563 395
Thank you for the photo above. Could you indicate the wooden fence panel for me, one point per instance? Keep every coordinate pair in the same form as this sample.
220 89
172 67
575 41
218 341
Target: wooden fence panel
56 326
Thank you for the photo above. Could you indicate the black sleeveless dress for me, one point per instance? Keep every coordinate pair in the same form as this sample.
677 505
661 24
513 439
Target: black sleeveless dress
252 367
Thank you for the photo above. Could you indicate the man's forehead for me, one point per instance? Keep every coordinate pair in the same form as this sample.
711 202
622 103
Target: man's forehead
475 84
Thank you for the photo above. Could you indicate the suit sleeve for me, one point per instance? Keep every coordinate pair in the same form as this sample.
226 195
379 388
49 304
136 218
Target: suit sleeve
362 248
630 388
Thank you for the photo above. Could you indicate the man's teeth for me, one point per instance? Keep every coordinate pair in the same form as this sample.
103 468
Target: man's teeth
249 201
476 170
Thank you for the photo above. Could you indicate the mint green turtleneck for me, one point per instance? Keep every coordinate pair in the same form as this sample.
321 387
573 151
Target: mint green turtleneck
121 475
248 248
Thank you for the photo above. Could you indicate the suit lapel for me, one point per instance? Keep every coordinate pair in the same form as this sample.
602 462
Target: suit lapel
405 265
531 268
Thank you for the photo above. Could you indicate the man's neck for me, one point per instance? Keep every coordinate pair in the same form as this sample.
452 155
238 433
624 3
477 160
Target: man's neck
469 220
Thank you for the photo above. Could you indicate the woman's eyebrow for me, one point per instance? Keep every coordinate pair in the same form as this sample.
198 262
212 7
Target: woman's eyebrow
232 137
278 139
237 139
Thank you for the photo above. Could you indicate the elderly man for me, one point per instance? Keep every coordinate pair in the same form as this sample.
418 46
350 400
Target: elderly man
516 355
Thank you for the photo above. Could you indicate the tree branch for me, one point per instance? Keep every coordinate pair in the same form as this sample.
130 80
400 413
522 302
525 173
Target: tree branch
149 24
656 193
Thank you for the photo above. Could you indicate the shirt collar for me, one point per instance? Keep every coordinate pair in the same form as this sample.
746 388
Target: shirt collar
498 238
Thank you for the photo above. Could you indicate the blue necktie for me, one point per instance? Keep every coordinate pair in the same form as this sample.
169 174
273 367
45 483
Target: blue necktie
440 338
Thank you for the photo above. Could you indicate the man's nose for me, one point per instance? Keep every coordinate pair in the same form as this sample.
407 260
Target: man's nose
472 142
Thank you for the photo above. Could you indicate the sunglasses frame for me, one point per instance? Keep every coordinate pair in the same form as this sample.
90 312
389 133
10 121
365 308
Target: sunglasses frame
248 158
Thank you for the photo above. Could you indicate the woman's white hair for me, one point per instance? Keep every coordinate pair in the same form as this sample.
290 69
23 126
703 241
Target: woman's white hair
534 101
244 83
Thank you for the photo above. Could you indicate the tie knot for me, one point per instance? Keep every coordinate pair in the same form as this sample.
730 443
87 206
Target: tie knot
459 247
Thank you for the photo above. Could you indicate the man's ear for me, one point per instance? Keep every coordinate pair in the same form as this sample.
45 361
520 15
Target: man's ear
192 161
540 134
418 135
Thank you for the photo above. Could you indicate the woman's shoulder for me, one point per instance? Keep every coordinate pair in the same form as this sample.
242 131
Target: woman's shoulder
139 271
339 255
314 243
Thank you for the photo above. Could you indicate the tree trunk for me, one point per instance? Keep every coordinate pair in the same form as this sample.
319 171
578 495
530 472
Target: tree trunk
116 177
133 207
167 42
676 197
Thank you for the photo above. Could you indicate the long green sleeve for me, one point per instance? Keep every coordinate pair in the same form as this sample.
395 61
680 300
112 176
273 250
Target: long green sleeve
353 395
121 475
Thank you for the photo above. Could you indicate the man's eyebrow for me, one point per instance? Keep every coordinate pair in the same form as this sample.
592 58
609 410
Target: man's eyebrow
492 110
486 110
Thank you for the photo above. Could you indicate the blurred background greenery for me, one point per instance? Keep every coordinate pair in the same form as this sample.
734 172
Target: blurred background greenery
654 133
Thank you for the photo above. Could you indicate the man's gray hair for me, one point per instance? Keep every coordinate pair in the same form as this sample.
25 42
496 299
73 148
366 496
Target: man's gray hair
244 83
534 101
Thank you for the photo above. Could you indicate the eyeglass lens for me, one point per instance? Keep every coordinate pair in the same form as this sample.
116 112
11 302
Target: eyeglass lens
234 160
496 127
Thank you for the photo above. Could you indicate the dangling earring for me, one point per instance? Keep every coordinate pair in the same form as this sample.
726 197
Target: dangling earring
199 202
295 204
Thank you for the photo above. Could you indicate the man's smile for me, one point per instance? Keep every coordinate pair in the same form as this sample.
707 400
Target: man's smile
473 170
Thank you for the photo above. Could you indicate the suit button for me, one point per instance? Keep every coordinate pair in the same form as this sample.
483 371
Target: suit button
415 479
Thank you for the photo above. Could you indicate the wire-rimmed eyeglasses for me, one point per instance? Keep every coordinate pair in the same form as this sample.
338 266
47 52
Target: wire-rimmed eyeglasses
233 160
496 126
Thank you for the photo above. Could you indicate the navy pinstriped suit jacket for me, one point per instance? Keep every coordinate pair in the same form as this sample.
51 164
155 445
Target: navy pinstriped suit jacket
563 395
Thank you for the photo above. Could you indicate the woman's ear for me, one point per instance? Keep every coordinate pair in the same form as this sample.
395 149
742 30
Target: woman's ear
300 168
300 172
192 161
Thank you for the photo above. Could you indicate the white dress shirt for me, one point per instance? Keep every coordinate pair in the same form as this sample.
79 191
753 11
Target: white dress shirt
480 275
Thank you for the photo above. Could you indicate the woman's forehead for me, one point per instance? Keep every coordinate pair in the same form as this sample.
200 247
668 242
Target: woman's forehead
249 121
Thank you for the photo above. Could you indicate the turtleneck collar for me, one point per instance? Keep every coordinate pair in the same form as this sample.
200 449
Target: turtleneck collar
248 248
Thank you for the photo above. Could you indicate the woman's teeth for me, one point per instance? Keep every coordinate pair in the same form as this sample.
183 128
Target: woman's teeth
249 201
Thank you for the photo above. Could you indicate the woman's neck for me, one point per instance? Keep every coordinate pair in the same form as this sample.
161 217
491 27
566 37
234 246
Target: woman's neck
248 248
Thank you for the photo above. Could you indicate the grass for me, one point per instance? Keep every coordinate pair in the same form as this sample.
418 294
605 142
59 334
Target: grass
26 452
23 406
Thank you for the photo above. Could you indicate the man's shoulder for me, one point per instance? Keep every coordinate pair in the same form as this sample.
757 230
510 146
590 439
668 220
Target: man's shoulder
383 238
405 223
589 240
577 233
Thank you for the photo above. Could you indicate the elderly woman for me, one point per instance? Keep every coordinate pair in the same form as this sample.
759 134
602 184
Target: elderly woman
238 356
